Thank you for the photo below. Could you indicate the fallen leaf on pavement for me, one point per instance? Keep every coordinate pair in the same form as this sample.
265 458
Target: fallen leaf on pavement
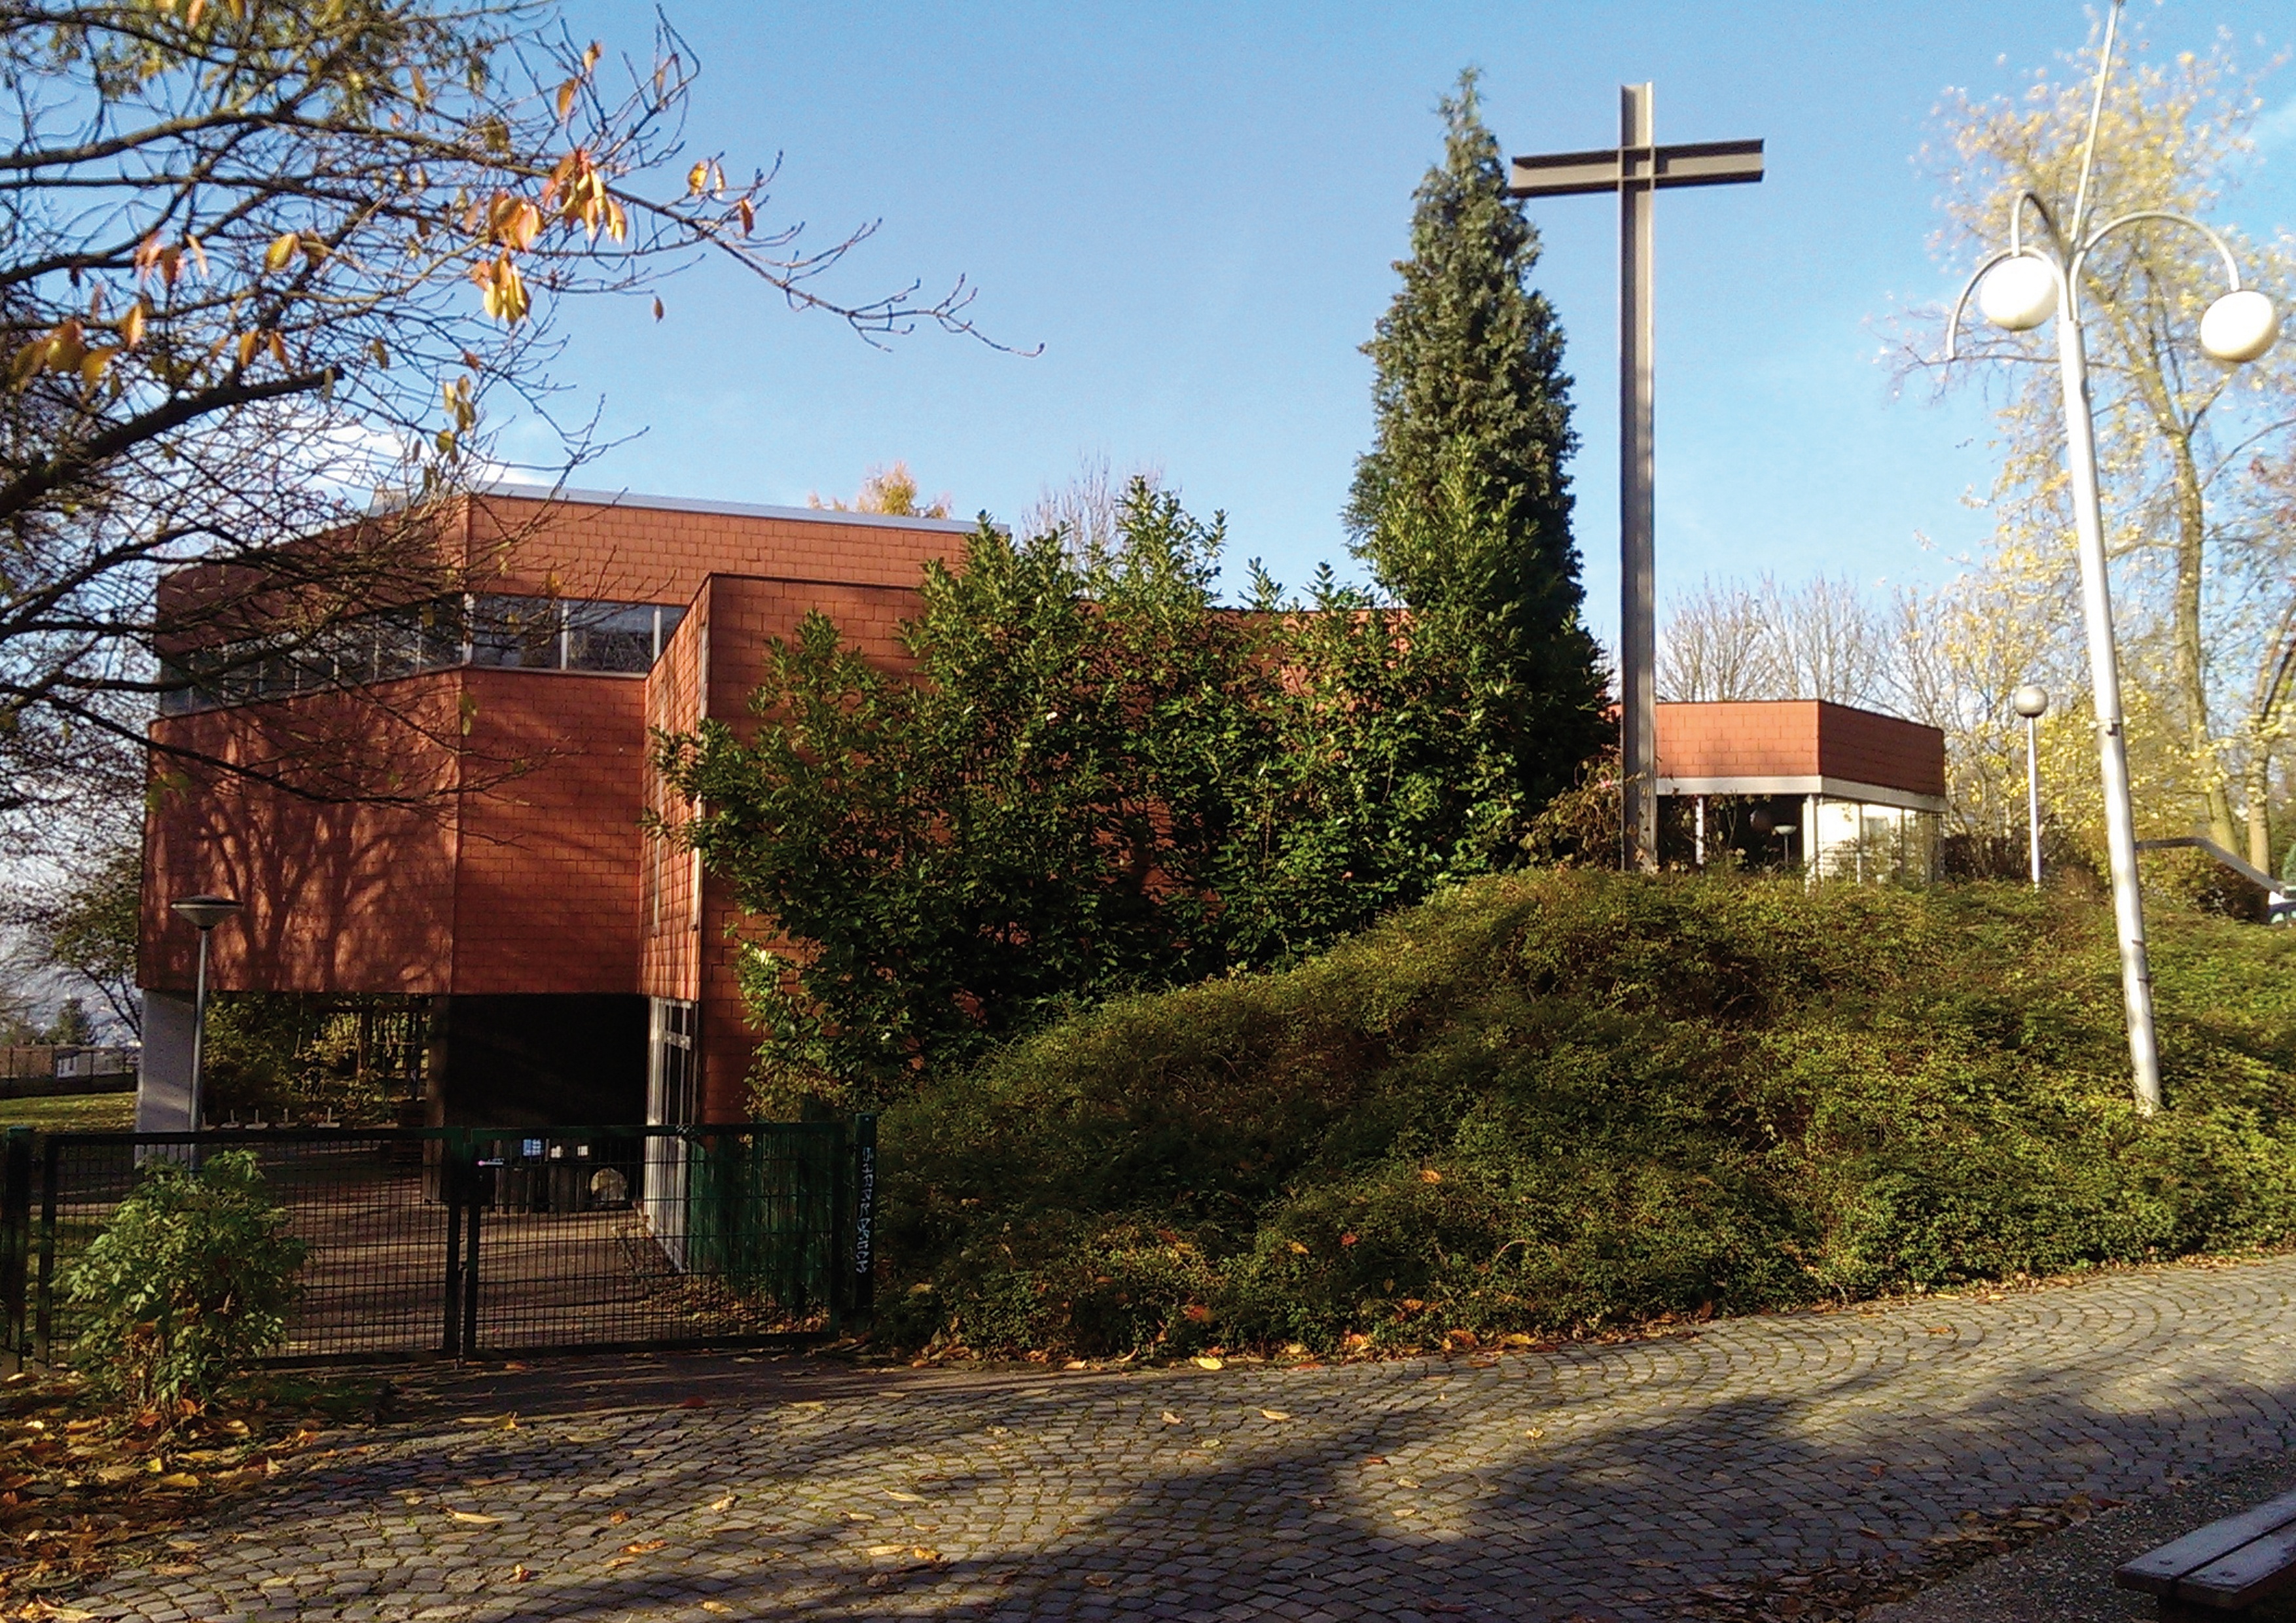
1275 1413
1210 1363
895 1493
475 1518
645 1546
1171 1419
521 1573
718 1606
618 1518
1100 1580
724 1502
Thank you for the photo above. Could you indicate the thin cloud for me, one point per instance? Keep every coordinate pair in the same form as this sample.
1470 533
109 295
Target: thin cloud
2278 128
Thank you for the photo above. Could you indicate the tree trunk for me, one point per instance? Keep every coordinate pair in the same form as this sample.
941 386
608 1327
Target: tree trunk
2258 788
2191 653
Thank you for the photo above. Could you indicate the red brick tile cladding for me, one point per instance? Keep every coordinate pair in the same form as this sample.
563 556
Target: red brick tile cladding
1799 738
545 881
339 897
744 613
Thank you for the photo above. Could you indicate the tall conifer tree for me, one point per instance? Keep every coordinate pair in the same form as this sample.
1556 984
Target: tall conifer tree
1461 507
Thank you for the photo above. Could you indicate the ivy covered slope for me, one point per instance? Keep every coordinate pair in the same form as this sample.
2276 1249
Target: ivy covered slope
1558 1101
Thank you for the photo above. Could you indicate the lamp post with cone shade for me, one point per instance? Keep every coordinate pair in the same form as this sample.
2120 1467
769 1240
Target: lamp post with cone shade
2032 702
205 913
2017 289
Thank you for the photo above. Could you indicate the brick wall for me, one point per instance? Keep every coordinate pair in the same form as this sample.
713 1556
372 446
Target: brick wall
670 944
631 552
1738 739
1875 749
1799 738
342 896
546 883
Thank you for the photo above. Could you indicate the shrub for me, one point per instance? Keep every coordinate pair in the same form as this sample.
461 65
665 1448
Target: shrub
1556 1103
190 1279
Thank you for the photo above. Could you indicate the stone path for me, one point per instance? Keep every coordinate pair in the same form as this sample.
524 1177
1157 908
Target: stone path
1598 1482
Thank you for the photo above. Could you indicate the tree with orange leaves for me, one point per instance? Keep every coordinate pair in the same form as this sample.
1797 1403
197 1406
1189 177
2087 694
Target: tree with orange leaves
258 261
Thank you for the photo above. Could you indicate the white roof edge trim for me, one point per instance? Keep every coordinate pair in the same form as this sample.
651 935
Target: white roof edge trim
682 504
1831 788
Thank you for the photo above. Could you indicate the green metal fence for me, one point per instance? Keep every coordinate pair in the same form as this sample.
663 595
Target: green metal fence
459 1241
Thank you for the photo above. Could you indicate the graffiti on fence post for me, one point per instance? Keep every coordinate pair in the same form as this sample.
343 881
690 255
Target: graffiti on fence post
865 1212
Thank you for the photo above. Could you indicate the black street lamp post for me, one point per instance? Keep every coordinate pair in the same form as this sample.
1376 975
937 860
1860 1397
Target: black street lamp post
205 913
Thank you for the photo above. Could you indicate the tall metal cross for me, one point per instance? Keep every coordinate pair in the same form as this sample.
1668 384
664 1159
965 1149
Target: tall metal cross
1636 169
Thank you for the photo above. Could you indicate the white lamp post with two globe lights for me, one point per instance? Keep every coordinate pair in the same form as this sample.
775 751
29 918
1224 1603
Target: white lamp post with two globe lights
2018 289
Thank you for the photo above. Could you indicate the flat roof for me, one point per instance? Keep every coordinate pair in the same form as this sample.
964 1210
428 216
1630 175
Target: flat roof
684 504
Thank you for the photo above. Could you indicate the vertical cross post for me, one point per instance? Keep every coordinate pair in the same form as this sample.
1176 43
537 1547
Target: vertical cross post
1637 169
1637 478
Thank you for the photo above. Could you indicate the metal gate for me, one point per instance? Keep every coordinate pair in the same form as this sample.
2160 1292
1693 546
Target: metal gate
458 1242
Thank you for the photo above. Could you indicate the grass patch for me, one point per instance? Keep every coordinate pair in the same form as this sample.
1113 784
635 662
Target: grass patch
1560 1103
71 1113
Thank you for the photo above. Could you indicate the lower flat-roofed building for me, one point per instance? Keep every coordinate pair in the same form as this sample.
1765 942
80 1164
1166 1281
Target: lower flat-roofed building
1833 791
498 871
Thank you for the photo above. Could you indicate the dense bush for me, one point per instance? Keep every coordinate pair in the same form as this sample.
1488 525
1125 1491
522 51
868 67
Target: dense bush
1097 781
1559 1101
190 1279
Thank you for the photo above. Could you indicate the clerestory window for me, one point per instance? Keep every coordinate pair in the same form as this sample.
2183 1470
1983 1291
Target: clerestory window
493 630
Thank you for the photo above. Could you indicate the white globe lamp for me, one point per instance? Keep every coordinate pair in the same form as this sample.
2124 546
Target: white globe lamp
2018 294
2239 327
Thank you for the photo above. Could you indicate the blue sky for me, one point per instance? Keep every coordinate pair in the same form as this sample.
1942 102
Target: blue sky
1193 209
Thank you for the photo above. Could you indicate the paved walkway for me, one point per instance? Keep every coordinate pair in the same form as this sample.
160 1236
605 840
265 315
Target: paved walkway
1593 1482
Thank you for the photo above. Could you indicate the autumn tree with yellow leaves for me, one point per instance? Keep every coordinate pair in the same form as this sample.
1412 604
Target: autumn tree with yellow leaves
2194 459
259 260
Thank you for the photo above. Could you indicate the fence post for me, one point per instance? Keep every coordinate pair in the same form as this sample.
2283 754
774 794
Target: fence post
450 1191
865 1214
477 1190
45 1312
16 1241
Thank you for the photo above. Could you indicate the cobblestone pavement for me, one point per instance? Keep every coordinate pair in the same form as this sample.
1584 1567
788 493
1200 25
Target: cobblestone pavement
1593 1482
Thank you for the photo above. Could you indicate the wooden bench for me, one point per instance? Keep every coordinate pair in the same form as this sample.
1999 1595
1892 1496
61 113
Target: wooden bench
2224 1568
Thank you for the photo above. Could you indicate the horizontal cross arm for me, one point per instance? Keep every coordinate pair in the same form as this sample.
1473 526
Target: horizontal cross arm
1709 163
1696 163
1564 173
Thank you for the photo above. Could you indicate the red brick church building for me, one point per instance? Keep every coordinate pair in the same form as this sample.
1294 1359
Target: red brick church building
579 969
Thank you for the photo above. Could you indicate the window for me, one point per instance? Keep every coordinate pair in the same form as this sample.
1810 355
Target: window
610 636
496 630
521 633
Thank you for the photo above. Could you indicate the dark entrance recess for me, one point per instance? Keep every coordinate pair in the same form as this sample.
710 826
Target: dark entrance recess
530 1060
1760 833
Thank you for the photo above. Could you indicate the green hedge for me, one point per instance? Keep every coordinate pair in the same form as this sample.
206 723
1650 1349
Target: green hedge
1559 1101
